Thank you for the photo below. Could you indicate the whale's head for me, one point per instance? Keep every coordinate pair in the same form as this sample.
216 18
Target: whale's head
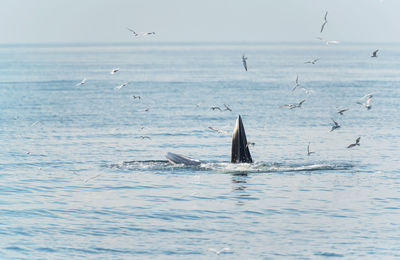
240 152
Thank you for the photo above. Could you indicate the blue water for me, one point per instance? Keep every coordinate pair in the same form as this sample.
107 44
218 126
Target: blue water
78 181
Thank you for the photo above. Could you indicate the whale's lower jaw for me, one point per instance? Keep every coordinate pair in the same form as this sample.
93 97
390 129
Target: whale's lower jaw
240 152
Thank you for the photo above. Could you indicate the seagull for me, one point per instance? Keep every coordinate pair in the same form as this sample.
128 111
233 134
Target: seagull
374 54
341 111
244 59
325 21
300 103
227 108
136 97
134 33
147 109
120 86
35 123
297 83
327 42
148 33
312 61
308 149
145 137
113 71
250 143
367 104
355 144
81 83
219 131
216 108
292 106
335 126
225 249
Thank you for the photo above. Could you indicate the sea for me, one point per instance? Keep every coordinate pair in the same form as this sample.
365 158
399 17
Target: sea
83 172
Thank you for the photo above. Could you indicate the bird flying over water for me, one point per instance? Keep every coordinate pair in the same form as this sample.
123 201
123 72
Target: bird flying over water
81 83
250 143
216 108
341 111
148 33
134 33
113 71
355 144
219 131
312 61
308 150
244 60
227 108
120 86
145 137
325 22
297 83
292 106
327 42
225 249
335 126
367 104
374 54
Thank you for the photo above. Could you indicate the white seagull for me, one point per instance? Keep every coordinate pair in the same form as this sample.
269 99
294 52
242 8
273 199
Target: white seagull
225 249
367 104
120 86
81 83
327 42
244 60
148 33
325 21
312 61
134 33
308 150
297 83
113 71
374 54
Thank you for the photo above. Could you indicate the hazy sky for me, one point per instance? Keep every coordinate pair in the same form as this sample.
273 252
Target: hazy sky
32 21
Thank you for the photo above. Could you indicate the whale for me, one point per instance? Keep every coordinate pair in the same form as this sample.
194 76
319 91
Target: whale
240 152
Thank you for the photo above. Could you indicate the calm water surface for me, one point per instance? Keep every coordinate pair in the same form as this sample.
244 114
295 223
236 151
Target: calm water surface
78 181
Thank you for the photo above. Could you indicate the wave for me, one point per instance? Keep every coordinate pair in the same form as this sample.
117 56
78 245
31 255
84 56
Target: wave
226 167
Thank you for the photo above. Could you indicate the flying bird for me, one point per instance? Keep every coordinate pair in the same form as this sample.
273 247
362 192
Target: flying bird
374 54
113 71
148 33
367 104
227 108
308 150
335 126
225 249
292 106
145 137
216 108
327 42
312 61
355 144
81 83
325 21
120 86
136 97
341 111
297 83
134 33
217 130
244 60
250 143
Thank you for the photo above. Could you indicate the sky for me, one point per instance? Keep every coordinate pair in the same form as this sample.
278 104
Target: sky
66 21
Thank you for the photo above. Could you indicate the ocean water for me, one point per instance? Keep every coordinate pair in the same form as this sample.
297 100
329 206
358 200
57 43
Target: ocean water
77 180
